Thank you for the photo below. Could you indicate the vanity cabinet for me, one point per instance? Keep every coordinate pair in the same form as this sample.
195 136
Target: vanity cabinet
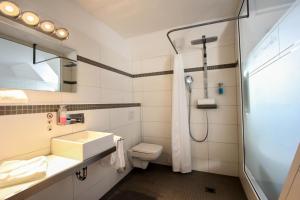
63 190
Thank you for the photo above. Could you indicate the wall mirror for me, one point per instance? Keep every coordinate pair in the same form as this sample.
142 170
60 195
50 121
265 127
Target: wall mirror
30 60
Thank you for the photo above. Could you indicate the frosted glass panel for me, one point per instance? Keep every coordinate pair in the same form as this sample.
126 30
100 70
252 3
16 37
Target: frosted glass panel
272 125
271 93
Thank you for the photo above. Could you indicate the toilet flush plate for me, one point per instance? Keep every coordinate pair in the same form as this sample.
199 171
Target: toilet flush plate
81 145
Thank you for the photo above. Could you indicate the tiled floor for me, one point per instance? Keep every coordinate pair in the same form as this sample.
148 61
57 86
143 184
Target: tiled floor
159 182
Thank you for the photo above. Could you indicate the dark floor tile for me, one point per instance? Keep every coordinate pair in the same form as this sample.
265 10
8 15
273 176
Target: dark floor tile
159 182
130 195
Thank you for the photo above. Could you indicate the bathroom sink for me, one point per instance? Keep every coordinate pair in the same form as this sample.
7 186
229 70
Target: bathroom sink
81 145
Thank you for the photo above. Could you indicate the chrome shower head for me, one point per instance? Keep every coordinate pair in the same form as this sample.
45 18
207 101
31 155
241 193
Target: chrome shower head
189 80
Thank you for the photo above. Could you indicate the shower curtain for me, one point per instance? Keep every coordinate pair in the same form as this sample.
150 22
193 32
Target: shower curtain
181 144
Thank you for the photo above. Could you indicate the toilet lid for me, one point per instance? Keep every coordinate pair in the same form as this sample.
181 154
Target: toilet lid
147 148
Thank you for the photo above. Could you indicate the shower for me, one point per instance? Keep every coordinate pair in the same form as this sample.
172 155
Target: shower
188 81
205 103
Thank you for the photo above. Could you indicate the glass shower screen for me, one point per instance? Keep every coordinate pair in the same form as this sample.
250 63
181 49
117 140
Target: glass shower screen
270 73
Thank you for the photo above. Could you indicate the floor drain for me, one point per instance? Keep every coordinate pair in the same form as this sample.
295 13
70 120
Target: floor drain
210 190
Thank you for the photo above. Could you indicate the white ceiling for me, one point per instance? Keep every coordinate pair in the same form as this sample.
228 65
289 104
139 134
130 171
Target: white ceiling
136 17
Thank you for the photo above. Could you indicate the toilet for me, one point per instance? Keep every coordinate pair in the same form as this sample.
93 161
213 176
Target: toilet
141 154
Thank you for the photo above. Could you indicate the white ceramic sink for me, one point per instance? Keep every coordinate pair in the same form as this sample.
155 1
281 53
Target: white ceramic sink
81 145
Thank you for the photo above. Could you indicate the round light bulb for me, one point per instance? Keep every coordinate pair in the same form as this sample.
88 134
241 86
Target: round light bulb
62 33
9 9
47 26
30 18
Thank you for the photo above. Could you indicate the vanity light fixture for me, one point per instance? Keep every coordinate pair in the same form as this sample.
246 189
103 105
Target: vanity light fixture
30 18
13 12
47 26
9 9
62 33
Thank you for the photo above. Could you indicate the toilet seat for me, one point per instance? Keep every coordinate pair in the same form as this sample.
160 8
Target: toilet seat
141 154
146 151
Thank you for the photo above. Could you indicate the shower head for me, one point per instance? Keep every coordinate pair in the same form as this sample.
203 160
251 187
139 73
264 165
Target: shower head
204 40
189 80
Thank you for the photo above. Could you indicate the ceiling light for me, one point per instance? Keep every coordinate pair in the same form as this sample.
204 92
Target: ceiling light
30 18
62 33
9 9
47 26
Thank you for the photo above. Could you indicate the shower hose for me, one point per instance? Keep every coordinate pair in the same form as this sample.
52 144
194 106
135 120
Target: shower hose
190 131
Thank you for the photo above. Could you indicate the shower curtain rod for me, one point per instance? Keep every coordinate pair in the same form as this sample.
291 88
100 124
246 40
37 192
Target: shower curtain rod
209 23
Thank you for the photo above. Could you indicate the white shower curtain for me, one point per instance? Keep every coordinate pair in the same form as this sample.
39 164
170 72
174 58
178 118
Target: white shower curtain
181 144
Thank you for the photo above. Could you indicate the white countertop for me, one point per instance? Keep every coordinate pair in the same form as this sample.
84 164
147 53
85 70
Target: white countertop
56 165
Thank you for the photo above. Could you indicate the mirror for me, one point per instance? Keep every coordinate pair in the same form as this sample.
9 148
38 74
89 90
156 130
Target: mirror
45 66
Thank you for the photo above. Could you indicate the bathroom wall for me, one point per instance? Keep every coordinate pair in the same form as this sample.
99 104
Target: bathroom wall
153 53
27 135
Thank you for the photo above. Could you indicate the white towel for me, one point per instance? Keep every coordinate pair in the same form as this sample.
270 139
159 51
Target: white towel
21 171
117 158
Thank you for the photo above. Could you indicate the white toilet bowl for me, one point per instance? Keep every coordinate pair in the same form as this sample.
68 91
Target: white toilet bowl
141 154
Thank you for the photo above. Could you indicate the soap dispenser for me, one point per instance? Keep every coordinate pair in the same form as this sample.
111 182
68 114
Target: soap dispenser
62 115
220 88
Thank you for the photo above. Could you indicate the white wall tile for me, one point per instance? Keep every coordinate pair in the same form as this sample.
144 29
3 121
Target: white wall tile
138 97
112 80
123 116
227 99
155 83
23 134
199 130
97 120
222 115
224 168
215 56
111 58
225 76
223 152
156 114
138 84
39 97
88 75
217 132
115 96
84 94
156 64
136 67
200 165
221 55
223 133
157 98
199 150
157 129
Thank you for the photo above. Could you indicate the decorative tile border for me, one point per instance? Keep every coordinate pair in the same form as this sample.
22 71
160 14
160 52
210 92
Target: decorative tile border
97 64
196 69
30 109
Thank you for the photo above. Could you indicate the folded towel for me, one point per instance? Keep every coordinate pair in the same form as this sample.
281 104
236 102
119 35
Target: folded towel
21 171
117 158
